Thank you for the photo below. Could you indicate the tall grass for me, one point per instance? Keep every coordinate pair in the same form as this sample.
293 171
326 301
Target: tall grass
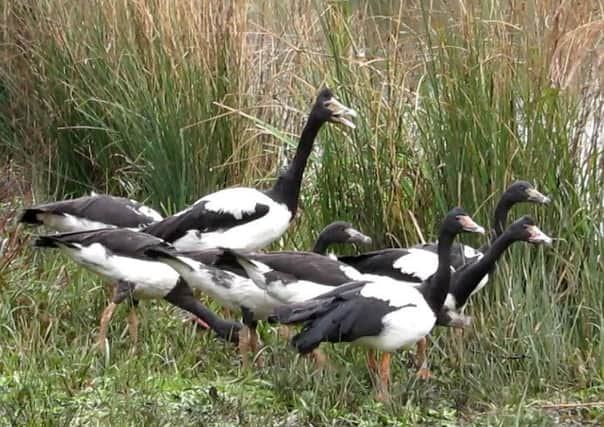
167 101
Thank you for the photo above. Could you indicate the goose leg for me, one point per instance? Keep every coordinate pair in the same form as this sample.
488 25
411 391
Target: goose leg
182 296
422 360
371 362
384 378
133 325
104 325
320 359
244 345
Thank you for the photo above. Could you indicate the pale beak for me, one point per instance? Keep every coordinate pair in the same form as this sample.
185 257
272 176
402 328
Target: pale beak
468 224
357 237
536 197
537 236
341 113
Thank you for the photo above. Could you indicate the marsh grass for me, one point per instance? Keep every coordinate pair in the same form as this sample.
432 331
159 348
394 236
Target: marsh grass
168 101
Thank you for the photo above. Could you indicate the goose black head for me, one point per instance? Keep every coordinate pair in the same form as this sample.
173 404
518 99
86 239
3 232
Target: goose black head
343 232
525 229
328 109
458 221
522 191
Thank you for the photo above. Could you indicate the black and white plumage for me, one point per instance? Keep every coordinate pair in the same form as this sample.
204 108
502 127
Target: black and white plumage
246 218
418 263
90 213
380 314
467 279
339 232
119 254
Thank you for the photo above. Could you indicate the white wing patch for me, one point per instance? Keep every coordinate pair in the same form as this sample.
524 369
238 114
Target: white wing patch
470 252
351 272
394 292
418 262
235 201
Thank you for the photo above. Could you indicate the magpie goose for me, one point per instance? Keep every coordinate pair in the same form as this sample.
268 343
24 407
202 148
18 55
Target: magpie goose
468 278
420 262
338 232
90 213
226 282
119 254
380 313
246 218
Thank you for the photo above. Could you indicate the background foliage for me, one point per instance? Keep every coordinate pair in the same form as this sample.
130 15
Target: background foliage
168 101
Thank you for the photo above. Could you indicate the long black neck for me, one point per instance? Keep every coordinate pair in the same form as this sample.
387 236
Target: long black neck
436 288
465 281
321 246
287 187
501 215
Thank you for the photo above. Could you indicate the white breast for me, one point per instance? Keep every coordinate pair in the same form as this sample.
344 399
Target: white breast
405 325
152 279
67 223
250 236
226 288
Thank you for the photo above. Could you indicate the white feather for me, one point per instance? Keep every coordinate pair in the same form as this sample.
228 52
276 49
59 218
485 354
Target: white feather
66 223
152 279
227 288
417 262
450 302
407 325
250 236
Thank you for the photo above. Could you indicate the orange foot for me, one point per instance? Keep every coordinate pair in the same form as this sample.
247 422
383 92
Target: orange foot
424 374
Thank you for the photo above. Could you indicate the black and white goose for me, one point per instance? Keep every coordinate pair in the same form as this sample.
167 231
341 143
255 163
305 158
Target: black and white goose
119 254
379 314
246 218
467 279
229 285
420 262
339 232
90 213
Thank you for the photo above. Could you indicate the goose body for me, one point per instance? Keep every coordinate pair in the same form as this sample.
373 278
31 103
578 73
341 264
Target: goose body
379 314
92 212
246 218
241 218
420 262
119 254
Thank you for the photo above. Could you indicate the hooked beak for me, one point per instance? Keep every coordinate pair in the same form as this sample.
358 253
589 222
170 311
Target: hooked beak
355 236
341 113
468 224
537 197
537 236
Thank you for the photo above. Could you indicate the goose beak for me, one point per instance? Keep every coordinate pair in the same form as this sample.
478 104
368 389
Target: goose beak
537 197
341 113
537 236
468 224
355 236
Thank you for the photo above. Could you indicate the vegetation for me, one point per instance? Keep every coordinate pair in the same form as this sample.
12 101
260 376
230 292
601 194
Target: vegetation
168 101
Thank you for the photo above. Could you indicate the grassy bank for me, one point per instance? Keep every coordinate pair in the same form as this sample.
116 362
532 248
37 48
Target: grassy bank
167 101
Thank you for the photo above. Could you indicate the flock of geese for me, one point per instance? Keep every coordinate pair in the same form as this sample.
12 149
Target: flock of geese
383 300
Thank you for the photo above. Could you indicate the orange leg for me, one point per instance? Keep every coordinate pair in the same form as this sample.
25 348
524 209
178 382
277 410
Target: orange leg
371 362
320 359
133 328
244 345
104 325
421 360
285 332
384 378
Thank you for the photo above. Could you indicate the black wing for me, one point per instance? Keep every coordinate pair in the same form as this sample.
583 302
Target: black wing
381 263
458 254
110 210
122 242
202 220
